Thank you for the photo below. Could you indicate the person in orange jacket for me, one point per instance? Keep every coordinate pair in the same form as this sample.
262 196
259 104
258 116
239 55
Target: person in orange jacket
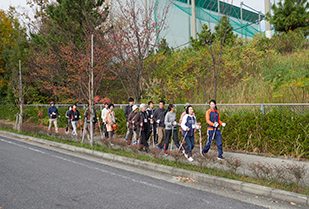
213 123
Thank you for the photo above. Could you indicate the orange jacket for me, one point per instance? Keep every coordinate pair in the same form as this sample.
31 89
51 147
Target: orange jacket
212 116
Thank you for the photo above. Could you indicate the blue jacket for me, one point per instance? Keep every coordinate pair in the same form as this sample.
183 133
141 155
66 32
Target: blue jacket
52 110
188 122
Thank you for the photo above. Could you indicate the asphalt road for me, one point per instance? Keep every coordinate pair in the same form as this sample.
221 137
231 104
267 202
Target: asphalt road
33 176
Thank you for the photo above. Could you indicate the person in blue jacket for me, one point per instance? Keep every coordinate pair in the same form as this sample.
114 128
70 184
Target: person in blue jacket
53 113
189 124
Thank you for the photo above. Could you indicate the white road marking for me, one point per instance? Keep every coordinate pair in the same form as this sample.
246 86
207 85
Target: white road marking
93 168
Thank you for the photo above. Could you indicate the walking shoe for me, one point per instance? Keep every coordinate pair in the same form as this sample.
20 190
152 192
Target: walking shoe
190 159
66 132
221 158
135 142
184 153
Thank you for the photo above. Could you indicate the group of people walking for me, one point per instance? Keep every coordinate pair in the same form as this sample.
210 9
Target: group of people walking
161 124
157 125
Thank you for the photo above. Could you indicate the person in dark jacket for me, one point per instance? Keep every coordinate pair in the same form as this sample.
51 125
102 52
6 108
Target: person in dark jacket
135 122
127 111
74 117
158 118
94 120
150 111
68 119
145 129
53 113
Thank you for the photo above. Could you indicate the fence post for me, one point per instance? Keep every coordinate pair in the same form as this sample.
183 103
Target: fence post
262 109
120 106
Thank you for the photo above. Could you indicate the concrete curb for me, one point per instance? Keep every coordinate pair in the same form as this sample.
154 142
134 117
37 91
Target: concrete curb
205 178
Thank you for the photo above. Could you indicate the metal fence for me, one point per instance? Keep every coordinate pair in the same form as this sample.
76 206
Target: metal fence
264 108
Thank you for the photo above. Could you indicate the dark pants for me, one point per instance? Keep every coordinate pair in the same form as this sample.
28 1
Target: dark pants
130 135
68 124
190 144
218 141
168 136
105 130
144 137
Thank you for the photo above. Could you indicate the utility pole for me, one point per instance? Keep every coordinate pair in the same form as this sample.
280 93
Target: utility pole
267 24
20 98
193 19
91 105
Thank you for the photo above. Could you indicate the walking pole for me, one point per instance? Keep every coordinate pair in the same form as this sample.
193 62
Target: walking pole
153 137
213 136
183 140
200 141
140 135
171 148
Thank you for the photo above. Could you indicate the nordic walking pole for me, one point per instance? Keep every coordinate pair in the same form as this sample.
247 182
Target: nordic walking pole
213 136
200 141
183 140
153 136
171 148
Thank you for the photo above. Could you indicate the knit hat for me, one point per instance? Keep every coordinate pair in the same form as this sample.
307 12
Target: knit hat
134 108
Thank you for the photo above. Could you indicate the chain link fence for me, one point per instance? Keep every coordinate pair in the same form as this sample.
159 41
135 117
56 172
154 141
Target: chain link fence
297 108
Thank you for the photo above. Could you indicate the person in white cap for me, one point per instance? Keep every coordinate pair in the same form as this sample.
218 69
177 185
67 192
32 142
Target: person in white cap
135 120
145 129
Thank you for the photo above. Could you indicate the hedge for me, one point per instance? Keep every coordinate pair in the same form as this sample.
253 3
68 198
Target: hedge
278 132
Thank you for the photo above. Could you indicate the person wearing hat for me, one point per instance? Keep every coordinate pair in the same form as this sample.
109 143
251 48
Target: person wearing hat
150 111
110 120
135 122
145 128
53 113
103 115
183 114
127 112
